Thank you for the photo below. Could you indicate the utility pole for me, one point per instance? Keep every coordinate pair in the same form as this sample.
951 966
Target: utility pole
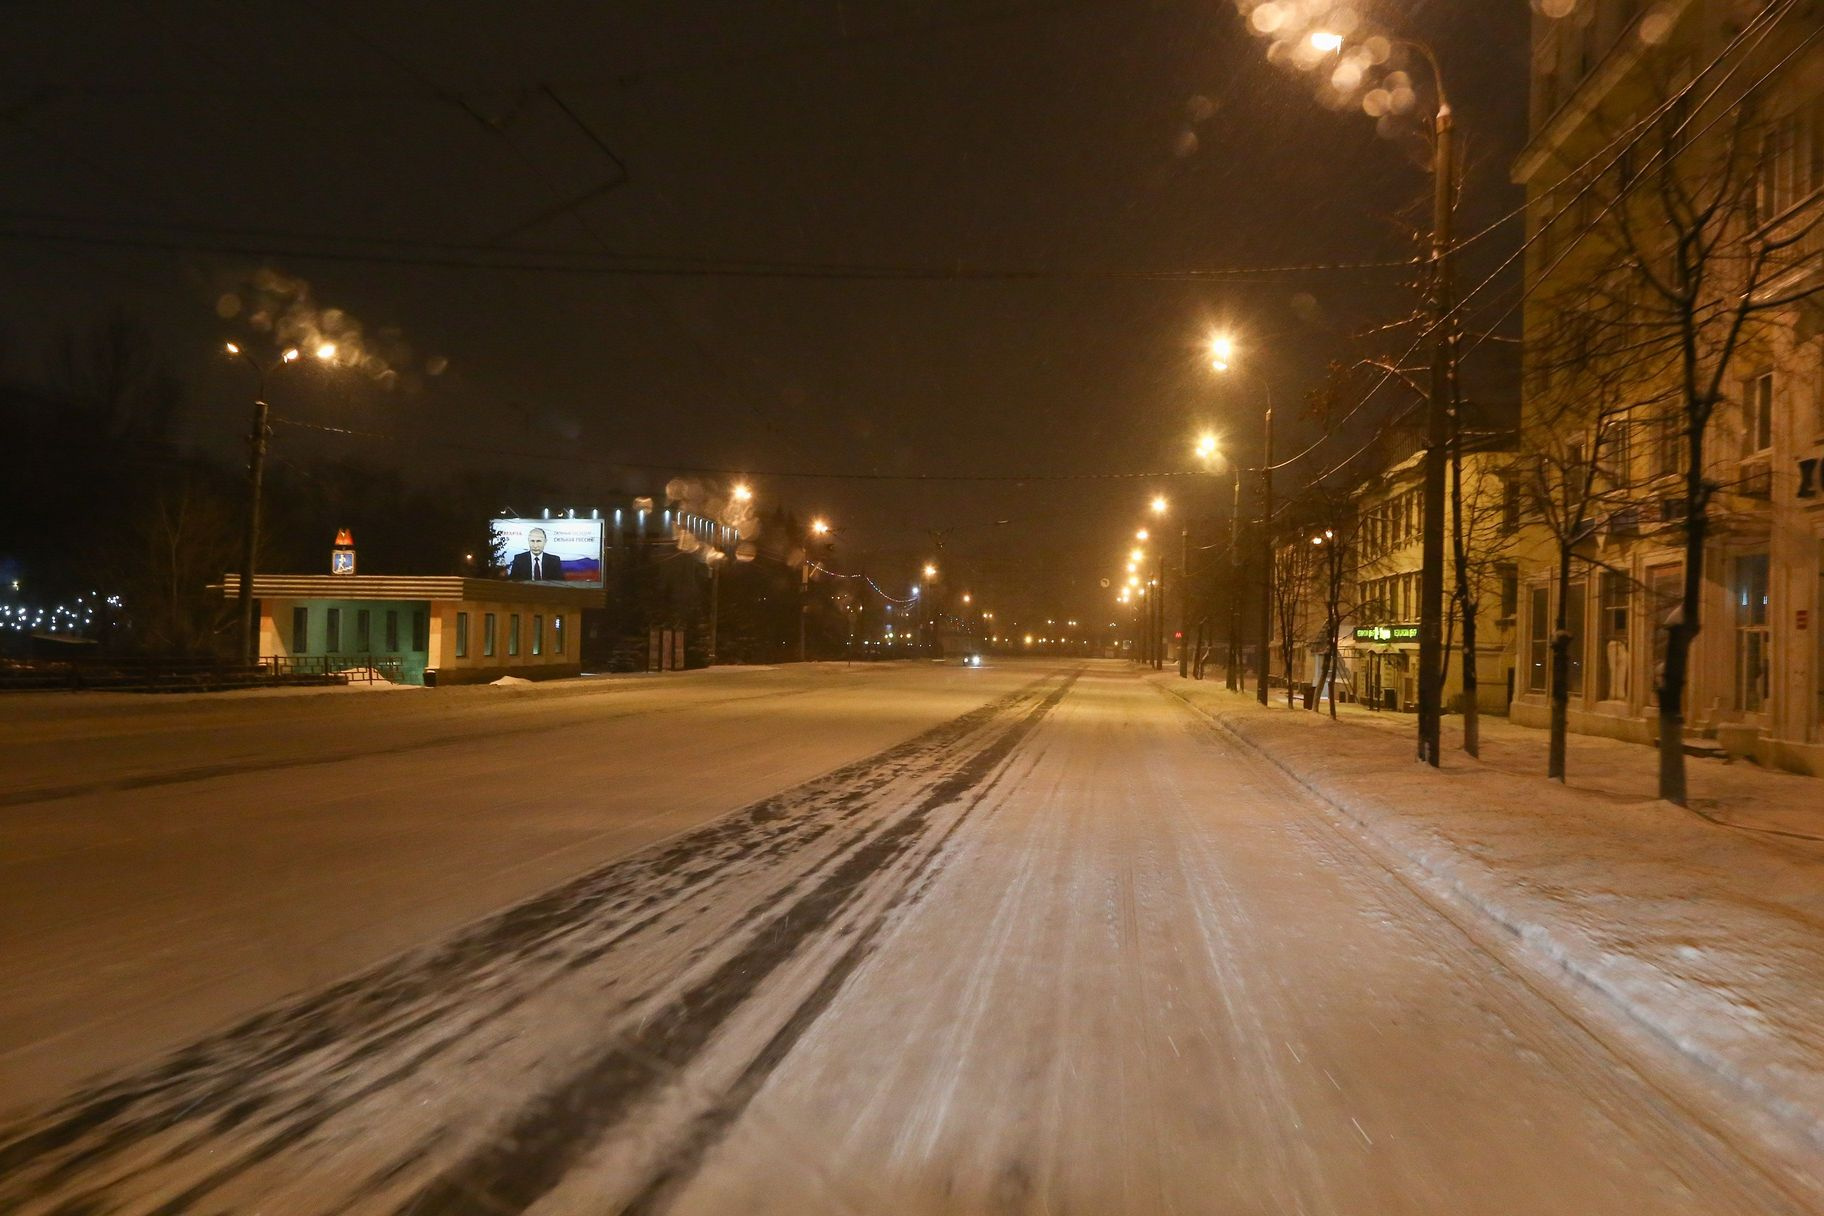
1266 553
250 548
1184 600
1160 646
804 602
1431 574
1237 590
715 600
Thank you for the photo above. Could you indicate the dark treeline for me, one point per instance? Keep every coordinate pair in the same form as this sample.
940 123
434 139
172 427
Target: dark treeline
102 501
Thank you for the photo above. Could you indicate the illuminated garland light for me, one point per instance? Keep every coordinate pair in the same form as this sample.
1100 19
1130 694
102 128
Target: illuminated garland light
58 618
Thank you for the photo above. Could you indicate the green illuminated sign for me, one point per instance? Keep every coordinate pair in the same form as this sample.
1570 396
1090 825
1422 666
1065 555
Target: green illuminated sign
1387 633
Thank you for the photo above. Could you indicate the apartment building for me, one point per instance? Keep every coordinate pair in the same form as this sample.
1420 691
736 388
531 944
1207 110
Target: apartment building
1633 104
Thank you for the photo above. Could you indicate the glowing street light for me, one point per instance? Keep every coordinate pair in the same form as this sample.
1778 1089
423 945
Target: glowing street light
742 493
930 570
1326 42
1222 352
1141 535
256 474
820 527
1207 447
326 351
1159 504
1222 358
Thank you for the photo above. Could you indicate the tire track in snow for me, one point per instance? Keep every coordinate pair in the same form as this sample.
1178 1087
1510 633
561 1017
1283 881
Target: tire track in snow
554 1134
284 1084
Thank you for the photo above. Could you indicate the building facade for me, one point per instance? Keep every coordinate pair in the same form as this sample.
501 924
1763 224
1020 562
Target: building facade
1383 637
427 629
1633 104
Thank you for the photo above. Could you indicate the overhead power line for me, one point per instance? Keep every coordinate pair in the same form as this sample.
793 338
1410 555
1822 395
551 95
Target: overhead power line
720 471
578 262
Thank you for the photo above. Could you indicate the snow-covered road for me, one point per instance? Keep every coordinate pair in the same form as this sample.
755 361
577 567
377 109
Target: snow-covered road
1042 941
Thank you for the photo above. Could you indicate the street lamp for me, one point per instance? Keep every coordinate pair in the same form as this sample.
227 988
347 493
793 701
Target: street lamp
256 475
1209 452
1222 359
929 614
819 528
1431 571
715 557
1156 618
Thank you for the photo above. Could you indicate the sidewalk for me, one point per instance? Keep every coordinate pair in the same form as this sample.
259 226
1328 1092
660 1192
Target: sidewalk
1701 930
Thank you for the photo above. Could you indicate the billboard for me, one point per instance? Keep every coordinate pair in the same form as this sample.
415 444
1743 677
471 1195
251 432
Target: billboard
549 550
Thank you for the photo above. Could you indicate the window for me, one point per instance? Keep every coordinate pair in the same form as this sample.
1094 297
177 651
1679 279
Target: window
487 635
364 635
513 633
421 631
1510 589
1776 188
1668 443
1757 415
1617 458
1574 625
1612 636
462 635
392 630
1510 508
1817 370
332 631
1792 161
538 634
1665 595
1538 634
557 634
1751 633
300 630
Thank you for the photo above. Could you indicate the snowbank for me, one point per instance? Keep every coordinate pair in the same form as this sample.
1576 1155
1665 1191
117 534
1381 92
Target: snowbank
1705 937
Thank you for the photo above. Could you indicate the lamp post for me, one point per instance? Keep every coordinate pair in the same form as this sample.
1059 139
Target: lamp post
257 441
1222 358
1159 507
819 528
1208 451
742 495
1431 571
928 617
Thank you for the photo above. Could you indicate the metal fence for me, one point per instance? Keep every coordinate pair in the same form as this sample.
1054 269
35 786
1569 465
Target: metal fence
168 673
350 668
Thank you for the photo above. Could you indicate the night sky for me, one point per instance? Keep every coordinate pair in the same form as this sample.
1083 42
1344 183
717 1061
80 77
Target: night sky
931 238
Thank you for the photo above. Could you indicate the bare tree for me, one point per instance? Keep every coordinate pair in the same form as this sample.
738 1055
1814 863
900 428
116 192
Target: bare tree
174 548
1574 478
1335 523
1292 568
1703 253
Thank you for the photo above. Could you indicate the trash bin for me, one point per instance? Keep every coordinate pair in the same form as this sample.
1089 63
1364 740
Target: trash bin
1308 692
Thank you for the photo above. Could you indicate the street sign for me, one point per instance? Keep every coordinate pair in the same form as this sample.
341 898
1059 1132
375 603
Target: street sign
342 557
1387 633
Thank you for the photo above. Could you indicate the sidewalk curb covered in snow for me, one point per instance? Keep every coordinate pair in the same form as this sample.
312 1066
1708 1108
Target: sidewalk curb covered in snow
1710 939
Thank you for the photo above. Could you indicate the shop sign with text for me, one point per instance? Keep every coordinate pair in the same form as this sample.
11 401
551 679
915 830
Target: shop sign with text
1387 633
